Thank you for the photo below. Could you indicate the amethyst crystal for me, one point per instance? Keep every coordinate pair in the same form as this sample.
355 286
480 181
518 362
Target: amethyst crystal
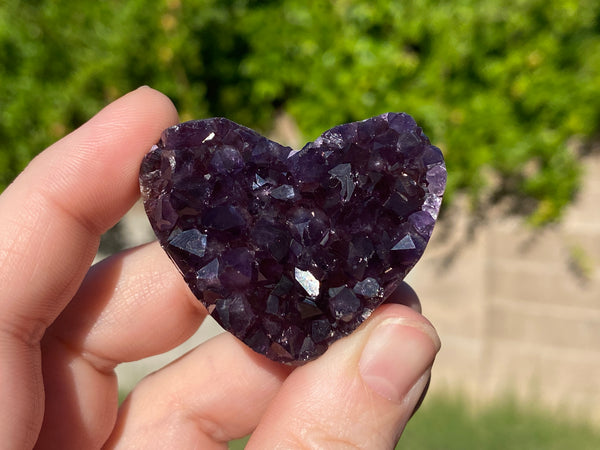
291 250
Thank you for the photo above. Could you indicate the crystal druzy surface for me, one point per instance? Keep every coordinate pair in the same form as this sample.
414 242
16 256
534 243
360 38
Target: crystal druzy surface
291 250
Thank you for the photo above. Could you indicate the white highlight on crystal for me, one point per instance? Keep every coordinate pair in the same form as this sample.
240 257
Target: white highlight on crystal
406 243
308 281
172 161
343 172
259 181
283 192
209 137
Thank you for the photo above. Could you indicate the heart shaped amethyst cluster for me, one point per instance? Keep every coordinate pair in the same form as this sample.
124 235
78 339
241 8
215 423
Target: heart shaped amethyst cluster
291 250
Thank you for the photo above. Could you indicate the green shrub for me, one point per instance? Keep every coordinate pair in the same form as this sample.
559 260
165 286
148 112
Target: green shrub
502 89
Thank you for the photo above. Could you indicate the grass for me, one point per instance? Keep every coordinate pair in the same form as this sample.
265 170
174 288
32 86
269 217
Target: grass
448 423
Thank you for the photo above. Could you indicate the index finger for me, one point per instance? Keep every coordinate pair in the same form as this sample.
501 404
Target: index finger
53 214
51 219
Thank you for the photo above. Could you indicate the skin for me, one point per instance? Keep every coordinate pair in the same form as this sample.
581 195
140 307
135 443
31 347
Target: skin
64 326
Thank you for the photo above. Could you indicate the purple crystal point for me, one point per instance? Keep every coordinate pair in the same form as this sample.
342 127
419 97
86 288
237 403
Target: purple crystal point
292 250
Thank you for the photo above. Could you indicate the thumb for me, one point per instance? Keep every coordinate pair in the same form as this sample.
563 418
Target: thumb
360 393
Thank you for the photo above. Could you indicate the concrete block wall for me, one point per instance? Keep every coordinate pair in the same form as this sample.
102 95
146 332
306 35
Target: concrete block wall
518 309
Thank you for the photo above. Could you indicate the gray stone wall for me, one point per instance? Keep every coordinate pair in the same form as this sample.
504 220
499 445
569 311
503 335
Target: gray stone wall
518 309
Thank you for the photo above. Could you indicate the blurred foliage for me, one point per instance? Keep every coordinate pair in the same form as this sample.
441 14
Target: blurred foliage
502 88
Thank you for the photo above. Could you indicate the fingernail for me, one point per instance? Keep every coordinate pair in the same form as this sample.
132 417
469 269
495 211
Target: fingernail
398 353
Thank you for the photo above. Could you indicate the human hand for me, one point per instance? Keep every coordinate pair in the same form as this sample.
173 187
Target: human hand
64 328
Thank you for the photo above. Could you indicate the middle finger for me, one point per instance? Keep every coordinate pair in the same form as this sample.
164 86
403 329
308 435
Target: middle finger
133 305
